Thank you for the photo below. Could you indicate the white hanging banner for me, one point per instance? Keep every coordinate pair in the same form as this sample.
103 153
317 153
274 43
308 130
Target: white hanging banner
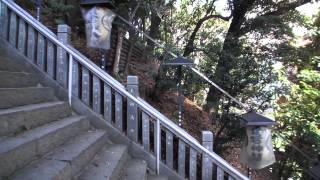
257 151
98 23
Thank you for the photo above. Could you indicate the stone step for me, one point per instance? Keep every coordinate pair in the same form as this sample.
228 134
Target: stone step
15 120
10 79
8 63
157 177
16 152
67 160
11 97
107 164
135 169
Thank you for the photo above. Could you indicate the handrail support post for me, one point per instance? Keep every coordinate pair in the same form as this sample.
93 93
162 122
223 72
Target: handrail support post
207 142
70 79
158 143
67 52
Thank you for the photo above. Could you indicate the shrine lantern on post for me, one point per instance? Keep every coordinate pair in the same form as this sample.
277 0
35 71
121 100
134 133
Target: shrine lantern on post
179 62
98 16
257 151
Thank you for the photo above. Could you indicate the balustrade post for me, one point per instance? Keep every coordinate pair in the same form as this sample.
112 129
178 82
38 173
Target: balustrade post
4 20
207 142
146 131
22 36
158 145
13 29
132 109
64 32
70 79
38 6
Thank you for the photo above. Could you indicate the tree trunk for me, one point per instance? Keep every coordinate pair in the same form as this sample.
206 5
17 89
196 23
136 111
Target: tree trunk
190 44
118 51
126 69
227 58
154 31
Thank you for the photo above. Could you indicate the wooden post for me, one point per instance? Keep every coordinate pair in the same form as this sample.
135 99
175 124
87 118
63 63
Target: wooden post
96 95
118 51
13 29
182 158
51 61
129 57
41 58
119 111
22 36
193 164
146 131
31 43
169 149
207 142
3 20
75 78
64 32
107 103
132 109
4 17
85 86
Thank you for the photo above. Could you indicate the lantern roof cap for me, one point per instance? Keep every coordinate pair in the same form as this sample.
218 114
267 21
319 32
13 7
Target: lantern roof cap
179 61
255 119
315 171
110 3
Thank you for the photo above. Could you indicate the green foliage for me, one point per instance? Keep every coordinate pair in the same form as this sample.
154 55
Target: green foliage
300 115
298 112
239 55
58 10
243 64
299 118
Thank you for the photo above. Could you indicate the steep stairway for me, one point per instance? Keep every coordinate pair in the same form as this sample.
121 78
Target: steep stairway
42 138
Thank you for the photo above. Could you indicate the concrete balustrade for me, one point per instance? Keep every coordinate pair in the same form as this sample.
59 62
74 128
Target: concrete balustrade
132 108
207 142
64 32
110 100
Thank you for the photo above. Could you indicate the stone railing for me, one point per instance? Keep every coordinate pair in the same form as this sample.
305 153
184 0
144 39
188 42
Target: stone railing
119 106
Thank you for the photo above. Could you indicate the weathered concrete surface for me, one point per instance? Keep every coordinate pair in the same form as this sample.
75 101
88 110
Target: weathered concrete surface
135 150
157 177
56 167
15 120
107 164
67 160
135 169
8 62
15 152
80 151
12 97
45 169
9 79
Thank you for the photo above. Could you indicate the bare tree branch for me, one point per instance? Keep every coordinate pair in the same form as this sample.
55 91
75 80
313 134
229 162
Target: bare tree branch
133 14
283 7
190 44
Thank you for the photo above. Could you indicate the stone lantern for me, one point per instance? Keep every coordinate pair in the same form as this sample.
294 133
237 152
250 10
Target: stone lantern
257 151
98 18
180 61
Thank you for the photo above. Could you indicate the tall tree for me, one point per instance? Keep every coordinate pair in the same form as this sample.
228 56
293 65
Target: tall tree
270 15
298 111
237 59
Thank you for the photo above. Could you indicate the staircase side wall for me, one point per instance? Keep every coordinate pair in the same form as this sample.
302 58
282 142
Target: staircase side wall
135 150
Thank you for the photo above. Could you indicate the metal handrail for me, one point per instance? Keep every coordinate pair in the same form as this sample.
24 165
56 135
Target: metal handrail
121 89
244 106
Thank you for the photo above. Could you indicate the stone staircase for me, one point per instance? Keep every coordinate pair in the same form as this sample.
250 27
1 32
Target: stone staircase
42 138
